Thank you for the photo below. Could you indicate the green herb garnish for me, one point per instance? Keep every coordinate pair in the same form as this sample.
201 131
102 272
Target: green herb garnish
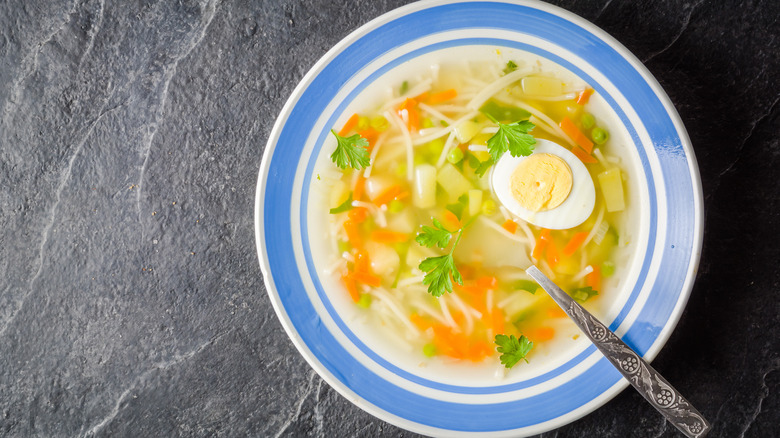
441 270
431 237
582 294
345 206
512 349
350 152
512 137
510 67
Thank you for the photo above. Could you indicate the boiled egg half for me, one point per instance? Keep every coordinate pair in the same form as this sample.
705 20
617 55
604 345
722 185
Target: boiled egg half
550 188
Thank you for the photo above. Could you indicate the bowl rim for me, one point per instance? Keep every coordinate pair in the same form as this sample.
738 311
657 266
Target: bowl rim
697 237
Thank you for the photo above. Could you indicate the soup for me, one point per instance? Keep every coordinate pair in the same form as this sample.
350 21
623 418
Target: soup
423 238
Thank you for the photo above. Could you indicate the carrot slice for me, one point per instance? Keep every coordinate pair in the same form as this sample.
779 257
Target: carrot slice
541 244
388 195
353 234
583 156
412 114
451 220
366 278
358 214
594 278
350 125
362 263
555 312
552 255
574 132
584 96
487 282
498 321
540 334
442 96
371 135
387 236
420 322
574 243
510 226
360 186
349 283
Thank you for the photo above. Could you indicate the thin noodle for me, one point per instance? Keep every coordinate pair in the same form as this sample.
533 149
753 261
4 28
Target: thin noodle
374 153
496 86
407 141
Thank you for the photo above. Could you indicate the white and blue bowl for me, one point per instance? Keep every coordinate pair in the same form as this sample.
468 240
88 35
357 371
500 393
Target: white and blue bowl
649 303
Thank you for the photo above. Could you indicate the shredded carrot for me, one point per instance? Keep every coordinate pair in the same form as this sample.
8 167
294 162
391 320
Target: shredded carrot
467 271
353 234
387 236
451 220
583 156
487 282
366 278
412 114
555 312
349 283
421 97
442 96
540 334
358 214
350 125
552 255
473 289
371 135
510 226
584 96
420 322
574 132
574 243
360 186
388 195
594 278
362 262
498 321
541 244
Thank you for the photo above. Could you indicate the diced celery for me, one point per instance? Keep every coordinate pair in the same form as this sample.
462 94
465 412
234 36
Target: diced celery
363 123
612 188
453 182
466 130
424 191
607 268
475 202
542 86
364 301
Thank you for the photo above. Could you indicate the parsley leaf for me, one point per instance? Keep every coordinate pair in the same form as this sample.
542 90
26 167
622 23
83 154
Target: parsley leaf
458 207
431 237
345 206
582 294
350 152
513 349
510 67
513 137
483 167
438 274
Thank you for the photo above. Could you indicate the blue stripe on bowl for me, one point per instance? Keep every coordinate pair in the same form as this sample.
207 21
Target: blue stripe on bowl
380 394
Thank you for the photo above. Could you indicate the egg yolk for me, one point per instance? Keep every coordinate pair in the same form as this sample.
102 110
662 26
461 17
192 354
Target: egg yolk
541 182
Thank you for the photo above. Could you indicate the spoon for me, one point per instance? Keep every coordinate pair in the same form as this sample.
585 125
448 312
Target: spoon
639 373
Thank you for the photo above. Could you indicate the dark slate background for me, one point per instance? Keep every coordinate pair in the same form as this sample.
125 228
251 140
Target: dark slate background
131 133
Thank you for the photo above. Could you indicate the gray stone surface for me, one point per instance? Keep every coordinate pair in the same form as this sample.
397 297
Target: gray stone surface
131 132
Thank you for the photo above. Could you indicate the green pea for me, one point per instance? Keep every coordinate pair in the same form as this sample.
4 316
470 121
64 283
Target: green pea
455 156
363 123
429 350
587 120
426 123
599 135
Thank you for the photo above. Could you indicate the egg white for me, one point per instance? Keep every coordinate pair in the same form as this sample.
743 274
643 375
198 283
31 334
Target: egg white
573 211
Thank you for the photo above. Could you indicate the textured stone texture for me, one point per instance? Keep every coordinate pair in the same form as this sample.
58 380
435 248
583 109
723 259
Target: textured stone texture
131 132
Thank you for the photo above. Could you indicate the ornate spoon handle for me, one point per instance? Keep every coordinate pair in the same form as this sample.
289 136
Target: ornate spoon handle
639 373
